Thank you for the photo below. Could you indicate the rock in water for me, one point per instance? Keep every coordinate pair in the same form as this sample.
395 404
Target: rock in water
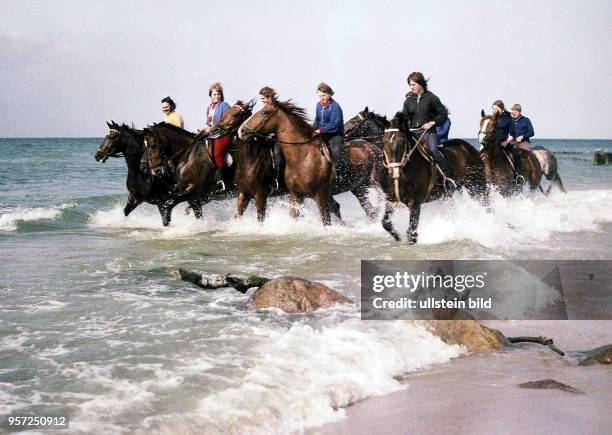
296 295
469 333
602 355
550 384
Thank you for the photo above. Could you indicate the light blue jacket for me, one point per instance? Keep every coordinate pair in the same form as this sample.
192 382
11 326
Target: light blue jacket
221 108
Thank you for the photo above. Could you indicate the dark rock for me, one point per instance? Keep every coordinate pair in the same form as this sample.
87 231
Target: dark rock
550 384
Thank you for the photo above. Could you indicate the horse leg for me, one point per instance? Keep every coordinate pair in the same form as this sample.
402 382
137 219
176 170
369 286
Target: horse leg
243 202
295 202
196 206
261 201
362 196
415 214
386 222
323 200
334 208
165 209
132 203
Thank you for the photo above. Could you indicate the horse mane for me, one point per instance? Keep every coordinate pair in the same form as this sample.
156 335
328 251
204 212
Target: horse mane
173 128
297 115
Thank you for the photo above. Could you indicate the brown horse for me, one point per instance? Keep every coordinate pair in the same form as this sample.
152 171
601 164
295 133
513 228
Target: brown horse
414 178
256 174
183 161
308 167
498 169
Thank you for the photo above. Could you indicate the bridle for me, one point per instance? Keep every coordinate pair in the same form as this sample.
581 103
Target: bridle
394 167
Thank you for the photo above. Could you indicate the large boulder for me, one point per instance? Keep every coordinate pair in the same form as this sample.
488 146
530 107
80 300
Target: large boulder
469 333
296 295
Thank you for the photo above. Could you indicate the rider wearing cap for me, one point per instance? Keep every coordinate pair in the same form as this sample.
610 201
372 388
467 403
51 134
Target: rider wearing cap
523 129
424 111
329 123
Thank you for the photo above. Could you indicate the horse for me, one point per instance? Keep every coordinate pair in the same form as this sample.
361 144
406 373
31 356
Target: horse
189 159
414 178
498 169
142 187
256 174
549 166
366 125
308 167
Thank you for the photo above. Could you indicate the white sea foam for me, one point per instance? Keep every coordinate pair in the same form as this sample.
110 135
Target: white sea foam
514 221
303 376
10 217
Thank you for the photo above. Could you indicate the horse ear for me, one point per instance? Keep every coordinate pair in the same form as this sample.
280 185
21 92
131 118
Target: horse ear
251 103
107 123
366 110
482 113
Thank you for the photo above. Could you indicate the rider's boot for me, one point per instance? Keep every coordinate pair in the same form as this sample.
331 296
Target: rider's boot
518 166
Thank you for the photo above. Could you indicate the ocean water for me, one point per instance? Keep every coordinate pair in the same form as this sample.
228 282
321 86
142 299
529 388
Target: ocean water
92 325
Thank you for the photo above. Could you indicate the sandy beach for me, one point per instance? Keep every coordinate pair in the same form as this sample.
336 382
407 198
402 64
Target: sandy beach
479 393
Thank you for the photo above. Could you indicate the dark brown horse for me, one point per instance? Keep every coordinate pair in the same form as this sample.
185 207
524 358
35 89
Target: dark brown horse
366 125
414 179
498 169
123 141
186 159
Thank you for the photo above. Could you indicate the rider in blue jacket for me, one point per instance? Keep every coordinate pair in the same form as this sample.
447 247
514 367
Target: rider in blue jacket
329 123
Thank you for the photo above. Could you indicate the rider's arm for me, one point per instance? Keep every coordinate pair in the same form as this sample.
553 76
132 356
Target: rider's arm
529 129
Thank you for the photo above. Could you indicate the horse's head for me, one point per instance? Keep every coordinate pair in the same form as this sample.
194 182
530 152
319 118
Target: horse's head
396 140
263 122
232 118
487 132
365 124
112 145
153 149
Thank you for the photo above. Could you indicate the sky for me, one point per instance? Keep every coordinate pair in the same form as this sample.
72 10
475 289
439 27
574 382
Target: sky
67 67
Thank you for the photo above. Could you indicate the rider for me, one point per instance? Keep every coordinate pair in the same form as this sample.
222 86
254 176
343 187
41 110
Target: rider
171 117
424 111
329 123
505 133
443 130
268 98
522 127
215 110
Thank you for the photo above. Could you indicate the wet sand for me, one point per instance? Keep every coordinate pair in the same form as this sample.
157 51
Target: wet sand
479 393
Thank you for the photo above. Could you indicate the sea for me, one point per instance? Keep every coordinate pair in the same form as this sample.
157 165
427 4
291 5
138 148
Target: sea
93 326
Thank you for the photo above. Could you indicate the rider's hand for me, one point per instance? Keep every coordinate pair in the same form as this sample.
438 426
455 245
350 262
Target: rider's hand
428 125
510 139
316 132
519 139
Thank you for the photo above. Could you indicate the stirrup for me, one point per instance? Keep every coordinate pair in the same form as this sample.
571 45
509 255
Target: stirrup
222 188
520 180
451 181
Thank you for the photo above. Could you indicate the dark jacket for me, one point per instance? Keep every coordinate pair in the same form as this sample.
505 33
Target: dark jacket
504 126
443 130
329 119
523 127
428 108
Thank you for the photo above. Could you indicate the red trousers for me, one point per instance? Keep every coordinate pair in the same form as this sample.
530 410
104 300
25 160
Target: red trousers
221 145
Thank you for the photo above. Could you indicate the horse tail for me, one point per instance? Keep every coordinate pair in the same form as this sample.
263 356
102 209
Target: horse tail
557 181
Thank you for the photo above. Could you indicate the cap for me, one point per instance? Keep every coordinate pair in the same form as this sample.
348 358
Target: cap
517 107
